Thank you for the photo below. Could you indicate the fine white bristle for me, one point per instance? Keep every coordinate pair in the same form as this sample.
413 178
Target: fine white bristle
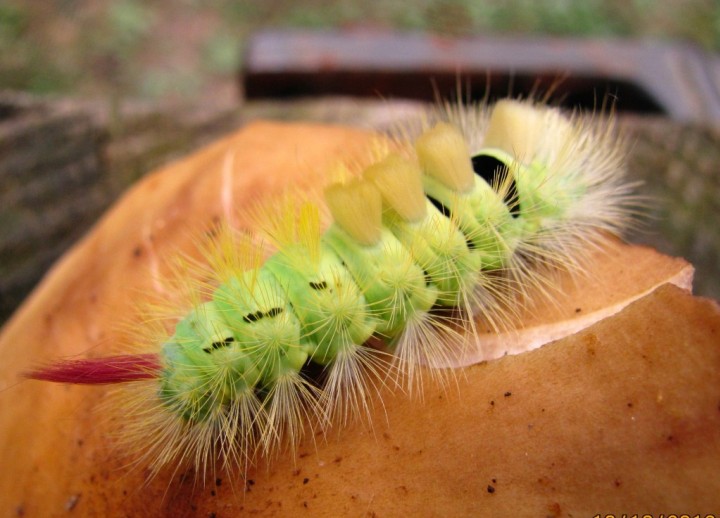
422 250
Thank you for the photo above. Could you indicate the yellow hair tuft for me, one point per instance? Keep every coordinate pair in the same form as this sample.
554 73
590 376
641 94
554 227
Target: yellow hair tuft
444 155
308 230
400 184
516 128
356 207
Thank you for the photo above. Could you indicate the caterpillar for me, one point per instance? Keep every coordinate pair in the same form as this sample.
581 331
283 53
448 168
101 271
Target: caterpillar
453 220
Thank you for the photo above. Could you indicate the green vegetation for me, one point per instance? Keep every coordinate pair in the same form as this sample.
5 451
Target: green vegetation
157 47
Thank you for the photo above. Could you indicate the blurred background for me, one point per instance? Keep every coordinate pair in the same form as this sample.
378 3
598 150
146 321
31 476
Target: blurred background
96 93
158 48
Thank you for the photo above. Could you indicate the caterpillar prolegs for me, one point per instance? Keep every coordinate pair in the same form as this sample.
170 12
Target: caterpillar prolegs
448 223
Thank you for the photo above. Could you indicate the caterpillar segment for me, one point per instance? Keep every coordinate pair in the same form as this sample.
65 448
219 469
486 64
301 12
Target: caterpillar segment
423 241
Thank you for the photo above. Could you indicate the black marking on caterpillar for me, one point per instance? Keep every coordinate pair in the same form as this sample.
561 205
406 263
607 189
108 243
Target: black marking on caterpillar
423 235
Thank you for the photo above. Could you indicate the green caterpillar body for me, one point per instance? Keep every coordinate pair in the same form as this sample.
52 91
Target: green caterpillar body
319 300
464 219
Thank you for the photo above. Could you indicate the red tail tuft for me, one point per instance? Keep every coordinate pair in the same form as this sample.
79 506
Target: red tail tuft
101 371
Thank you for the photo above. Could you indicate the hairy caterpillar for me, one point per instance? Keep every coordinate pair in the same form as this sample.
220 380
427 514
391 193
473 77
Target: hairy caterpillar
471 212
